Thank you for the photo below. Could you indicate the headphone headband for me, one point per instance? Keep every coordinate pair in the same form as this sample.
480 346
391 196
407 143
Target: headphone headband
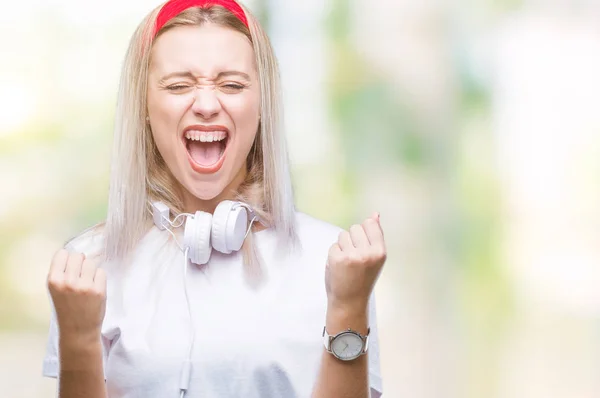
173 7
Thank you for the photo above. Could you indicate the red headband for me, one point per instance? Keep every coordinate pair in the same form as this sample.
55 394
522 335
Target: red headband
174 7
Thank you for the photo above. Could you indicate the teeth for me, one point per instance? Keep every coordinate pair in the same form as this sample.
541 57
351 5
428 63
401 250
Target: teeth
205 136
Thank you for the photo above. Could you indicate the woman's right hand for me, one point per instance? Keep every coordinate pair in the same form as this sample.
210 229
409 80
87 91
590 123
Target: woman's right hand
78 290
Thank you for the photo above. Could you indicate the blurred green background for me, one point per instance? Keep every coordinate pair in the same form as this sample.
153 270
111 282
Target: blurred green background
471 126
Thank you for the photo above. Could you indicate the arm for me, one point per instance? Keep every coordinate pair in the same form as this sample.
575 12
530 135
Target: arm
353 267
81 368
338 378
78 291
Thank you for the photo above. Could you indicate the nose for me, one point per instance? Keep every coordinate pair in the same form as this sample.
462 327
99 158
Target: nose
206 103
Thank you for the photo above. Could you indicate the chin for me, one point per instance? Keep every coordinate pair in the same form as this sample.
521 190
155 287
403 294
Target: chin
208 190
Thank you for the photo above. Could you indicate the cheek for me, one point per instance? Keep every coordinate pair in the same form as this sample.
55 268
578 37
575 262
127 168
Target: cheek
166 111
245 115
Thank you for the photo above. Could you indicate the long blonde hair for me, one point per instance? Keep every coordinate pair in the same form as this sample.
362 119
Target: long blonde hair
138 172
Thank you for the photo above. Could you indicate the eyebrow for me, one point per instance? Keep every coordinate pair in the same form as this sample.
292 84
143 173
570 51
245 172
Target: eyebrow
190 75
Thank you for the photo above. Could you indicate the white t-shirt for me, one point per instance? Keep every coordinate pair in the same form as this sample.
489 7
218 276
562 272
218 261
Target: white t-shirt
251 342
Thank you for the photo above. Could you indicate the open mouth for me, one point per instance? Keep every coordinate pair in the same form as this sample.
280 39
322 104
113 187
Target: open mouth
206 149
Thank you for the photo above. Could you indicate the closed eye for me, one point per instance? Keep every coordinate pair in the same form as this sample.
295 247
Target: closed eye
176 87
232 88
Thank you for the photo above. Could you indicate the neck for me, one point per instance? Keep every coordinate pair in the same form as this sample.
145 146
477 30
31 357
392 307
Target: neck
193 204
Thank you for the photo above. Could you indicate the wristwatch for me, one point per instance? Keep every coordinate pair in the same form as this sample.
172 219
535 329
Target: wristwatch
347 345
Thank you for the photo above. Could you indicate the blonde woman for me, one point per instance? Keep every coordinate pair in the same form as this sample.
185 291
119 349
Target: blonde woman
205 281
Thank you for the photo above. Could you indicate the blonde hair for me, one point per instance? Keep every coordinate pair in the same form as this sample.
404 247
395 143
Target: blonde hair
138 172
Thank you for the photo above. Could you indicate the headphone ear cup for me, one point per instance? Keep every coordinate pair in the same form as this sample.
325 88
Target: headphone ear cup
196 237
219 226
229 227
237 225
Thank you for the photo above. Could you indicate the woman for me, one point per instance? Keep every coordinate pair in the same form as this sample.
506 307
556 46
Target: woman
205 281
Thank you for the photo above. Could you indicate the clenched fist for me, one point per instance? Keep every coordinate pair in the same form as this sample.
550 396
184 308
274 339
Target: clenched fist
354 263
78 291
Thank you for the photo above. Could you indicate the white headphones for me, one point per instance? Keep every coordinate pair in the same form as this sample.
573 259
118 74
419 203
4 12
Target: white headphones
224 231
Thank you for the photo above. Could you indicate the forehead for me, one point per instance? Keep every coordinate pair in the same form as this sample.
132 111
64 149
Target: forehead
206 49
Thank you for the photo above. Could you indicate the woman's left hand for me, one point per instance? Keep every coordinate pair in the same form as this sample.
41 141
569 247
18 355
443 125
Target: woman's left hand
354 264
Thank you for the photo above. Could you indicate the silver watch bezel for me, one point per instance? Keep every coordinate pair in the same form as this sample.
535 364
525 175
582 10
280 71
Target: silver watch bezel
329 339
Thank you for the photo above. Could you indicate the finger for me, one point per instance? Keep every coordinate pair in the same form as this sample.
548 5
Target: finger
379 223
335 249
377 217
358 236
73 269
88 271
345 241
335 252
100 279
59 262
374 233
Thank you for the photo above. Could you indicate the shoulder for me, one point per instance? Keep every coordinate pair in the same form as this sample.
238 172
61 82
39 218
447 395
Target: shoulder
312 238
306 223
314 233
89 242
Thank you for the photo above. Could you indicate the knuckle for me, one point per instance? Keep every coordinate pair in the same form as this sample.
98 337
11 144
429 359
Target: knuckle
55 283
334 258
70 287
369 255
337 258
355 258
84 289
379 255
75 283
372 258
99 292
382 252
80 290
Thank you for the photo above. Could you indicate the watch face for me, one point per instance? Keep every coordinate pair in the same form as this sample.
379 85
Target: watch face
347 346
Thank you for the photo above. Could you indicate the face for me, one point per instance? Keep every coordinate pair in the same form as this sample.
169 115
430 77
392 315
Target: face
203 105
